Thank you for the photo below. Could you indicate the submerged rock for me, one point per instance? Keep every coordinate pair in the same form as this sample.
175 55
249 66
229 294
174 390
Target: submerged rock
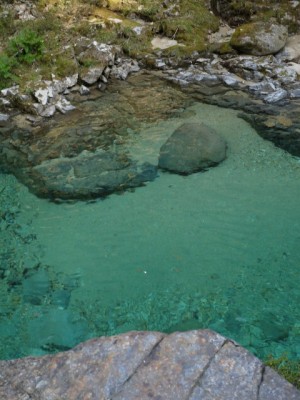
89 175
281 129
191 148
36 287
259 38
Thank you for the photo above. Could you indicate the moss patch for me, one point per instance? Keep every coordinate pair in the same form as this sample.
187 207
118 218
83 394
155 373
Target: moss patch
289 369
190 27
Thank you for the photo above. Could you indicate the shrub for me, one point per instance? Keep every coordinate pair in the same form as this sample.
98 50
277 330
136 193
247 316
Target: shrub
48 22
26 47
7 25
6 75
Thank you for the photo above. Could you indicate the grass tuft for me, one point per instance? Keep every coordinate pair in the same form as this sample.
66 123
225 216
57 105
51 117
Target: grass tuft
289 369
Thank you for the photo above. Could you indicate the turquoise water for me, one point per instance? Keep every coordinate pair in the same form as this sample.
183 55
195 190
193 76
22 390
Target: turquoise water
219 249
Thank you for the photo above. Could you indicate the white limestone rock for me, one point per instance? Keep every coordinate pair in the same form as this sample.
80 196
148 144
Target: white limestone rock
291 50
295 67
163 43
276 96
48 111
59 86
4 117
84 91
91 75
231 80
11 91
4 102
63 106
42 95
101 55
124 68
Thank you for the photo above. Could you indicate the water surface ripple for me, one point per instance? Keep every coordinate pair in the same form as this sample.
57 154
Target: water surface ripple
219 249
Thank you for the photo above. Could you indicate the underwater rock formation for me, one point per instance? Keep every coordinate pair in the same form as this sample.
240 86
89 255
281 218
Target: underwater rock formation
89 175
192 148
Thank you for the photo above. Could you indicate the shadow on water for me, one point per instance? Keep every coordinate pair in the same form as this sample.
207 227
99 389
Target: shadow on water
215 250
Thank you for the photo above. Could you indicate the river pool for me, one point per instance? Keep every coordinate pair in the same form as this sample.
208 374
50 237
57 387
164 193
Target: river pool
218 249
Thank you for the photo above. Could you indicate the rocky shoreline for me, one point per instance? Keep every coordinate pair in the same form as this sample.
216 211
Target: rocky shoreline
252 67
265 88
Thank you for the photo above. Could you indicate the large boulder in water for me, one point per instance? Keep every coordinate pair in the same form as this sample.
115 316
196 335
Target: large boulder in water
89 175
191 148
259 38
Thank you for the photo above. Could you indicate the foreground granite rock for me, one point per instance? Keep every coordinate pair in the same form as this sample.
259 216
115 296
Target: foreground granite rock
191 148
146 365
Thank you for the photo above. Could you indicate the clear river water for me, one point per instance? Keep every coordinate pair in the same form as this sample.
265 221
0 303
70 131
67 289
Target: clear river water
218 249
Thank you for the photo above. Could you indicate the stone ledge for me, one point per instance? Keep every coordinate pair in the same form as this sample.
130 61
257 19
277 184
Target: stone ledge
146 365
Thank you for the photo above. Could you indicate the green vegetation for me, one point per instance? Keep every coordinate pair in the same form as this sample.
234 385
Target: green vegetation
289 369
7 26
237 12
145 9
37 48
34 49
191 26
221 48
189 23
6 67
26 47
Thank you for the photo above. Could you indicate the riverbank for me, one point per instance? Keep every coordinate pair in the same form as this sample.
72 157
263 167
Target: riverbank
264 82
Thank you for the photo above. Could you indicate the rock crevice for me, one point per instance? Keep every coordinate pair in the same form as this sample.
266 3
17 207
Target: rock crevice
198 383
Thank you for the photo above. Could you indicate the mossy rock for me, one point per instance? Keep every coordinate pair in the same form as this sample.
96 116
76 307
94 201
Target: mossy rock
221 48
259 38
